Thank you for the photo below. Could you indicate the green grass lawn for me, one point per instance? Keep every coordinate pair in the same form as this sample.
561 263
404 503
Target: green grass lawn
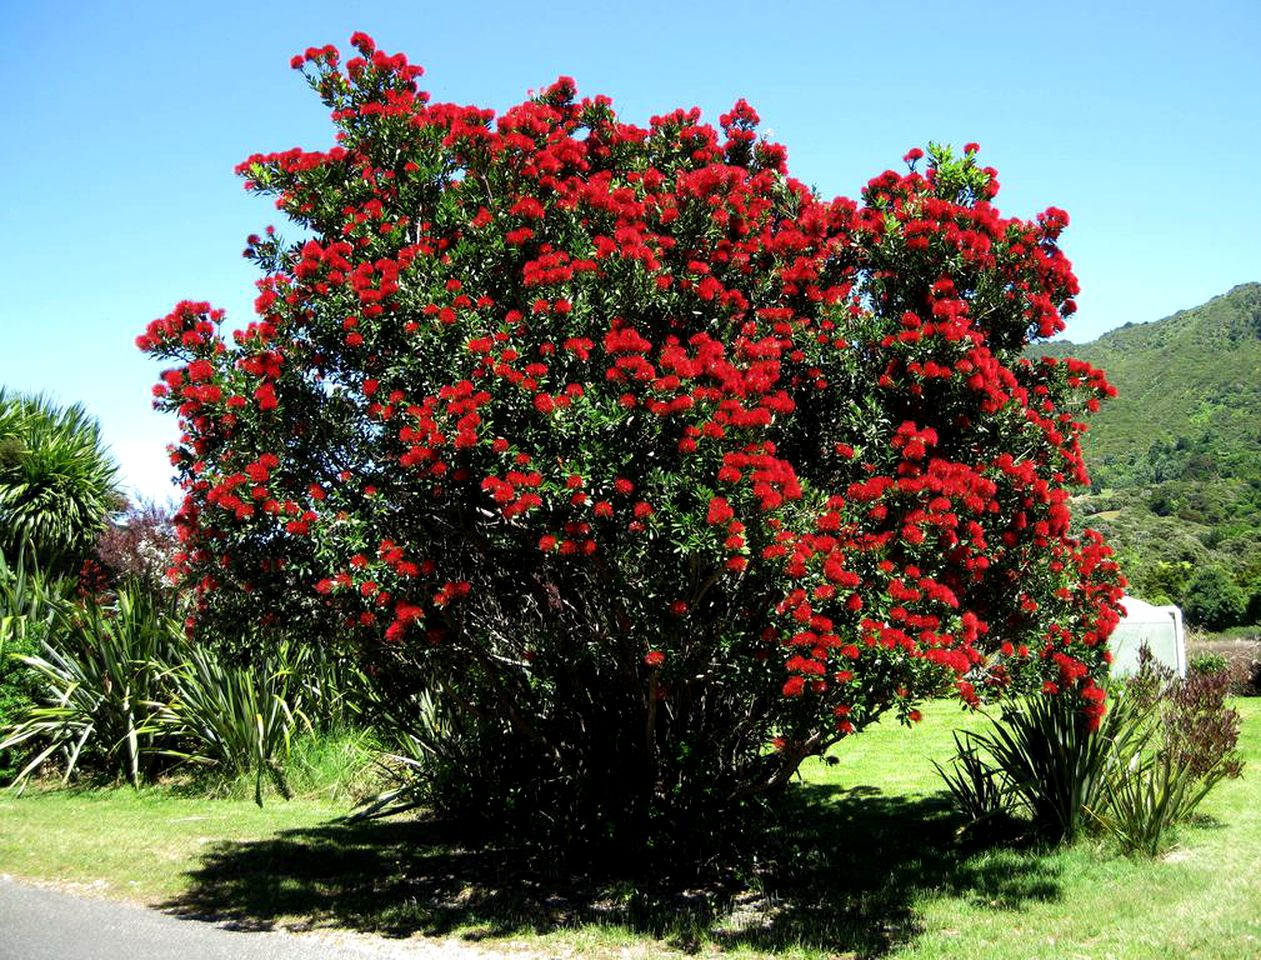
1203 899
864 864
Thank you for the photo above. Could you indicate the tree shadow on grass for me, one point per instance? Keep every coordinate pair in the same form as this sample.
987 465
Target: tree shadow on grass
843 871
855 865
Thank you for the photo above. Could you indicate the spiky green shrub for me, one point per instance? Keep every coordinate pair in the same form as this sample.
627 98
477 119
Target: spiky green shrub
1146 803
57 483
1056 760
426 746
238 719
330 685
1162 746
28 604
978 790
114 686
102 671
1185 745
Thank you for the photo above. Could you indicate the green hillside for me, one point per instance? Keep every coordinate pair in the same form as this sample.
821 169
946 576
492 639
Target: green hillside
1189 393
1175 458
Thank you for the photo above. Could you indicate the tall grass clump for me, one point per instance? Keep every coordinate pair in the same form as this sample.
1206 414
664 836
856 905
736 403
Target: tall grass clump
112 687
1164 743
28 603
102 670
335 764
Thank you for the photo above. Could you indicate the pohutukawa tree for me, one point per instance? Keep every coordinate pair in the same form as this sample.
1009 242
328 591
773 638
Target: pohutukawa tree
658 470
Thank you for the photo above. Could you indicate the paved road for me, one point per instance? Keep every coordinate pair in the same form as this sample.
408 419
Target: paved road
42 924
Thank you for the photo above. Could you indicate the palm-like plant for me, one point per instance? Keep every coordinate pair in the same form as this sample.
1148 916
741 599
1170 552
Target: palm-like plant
57 483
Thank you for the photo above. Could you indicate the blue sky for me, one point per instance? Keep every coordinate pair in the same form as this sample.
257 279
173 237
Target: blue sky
123 122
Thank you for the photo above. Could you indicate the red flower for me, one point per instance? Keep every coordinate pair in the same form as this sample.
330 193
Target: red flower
719 511
200 370
266 397
654 658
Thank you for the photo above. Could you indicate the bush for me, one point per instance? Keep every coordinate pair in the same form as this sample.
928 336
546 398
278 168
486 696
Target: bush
1210 663
102 674
1213 600
27 606
1187 746
978 789
1138 774
657 471
1051 760
136 545
57 483
112 687
238 719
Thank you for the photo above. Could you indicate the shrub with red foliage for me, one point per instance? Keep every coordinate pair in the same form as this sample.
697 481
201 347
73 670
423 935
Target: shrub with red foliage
137 545
638 452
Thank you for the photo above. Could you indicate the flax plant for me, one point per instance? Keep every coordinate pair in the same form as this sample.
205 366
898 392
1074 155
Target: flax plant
103 669
1187 744
238 719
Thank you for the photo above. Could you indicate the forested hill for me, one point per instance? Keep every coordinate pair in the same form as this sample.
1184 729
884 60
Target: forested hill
1175 458
1188 393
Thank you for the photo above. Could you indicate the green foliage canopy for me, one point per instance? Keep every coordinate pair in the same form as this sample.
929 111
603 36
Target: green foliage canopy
1213 600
